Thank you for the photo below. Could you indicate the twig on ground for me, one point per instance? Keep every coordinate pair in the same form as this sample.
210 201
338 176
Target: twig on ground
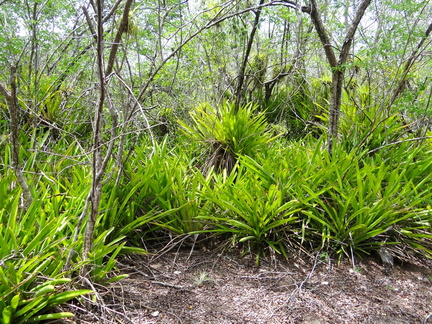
299 287
165 284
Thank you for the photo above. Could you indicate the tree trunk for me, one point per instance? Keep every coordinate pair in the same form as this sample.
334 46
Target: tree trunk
335 104
337 65
97 171
11 99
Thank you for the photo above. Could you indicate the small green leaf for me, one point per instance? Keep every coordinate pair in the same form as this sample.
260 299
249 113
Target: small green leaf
45 290
14 302
63 297
50 317
7 315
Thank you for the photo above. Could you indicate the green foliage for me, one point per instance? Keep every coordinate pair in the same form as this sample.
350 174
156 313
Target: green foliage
186 186
298 106
415 103
35 243
350 202
160 191
368 127
251 212
227 133
262 195
353 202
33 249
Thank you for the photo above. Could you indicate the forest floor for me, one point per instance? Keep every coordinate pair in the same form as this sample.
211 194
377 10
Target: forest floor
189 286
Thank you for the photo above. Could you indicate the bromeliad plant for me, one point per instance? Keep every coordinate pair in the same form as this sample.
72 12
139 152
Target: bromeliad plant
351 203
33 247
364 124
355 204
34 244
252 213
159 192
228 133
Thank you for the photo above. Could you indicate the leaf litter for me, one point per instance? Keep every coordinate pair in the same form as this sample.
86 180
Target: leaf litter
208 287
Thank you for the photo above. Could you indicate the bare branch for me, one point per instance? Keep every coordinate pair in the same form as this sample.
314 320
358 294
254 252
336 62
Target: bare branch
409 64
113 9
120 31
5 92
241 76
399 142
322 33
89 22
93 5
140 108
350 34
338 68
217 19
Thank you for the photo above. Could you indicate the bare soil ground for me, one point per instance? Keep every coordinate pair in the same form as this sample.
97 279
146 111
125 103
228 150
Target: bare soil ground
205 287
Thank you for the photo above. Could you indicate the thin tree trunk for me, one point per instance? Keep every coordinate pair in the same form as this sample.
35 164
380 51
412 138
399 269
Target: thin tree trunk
11 99
97 146
337 65
241 76
99 162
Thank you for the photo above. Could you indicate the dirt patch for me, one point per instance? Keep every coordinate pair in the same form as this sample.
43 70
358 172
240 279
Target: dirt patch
203 287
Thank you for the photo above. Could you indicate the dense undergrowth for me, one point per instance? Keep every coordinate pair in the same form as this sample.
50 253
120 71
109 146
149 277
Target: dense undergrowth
225 176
